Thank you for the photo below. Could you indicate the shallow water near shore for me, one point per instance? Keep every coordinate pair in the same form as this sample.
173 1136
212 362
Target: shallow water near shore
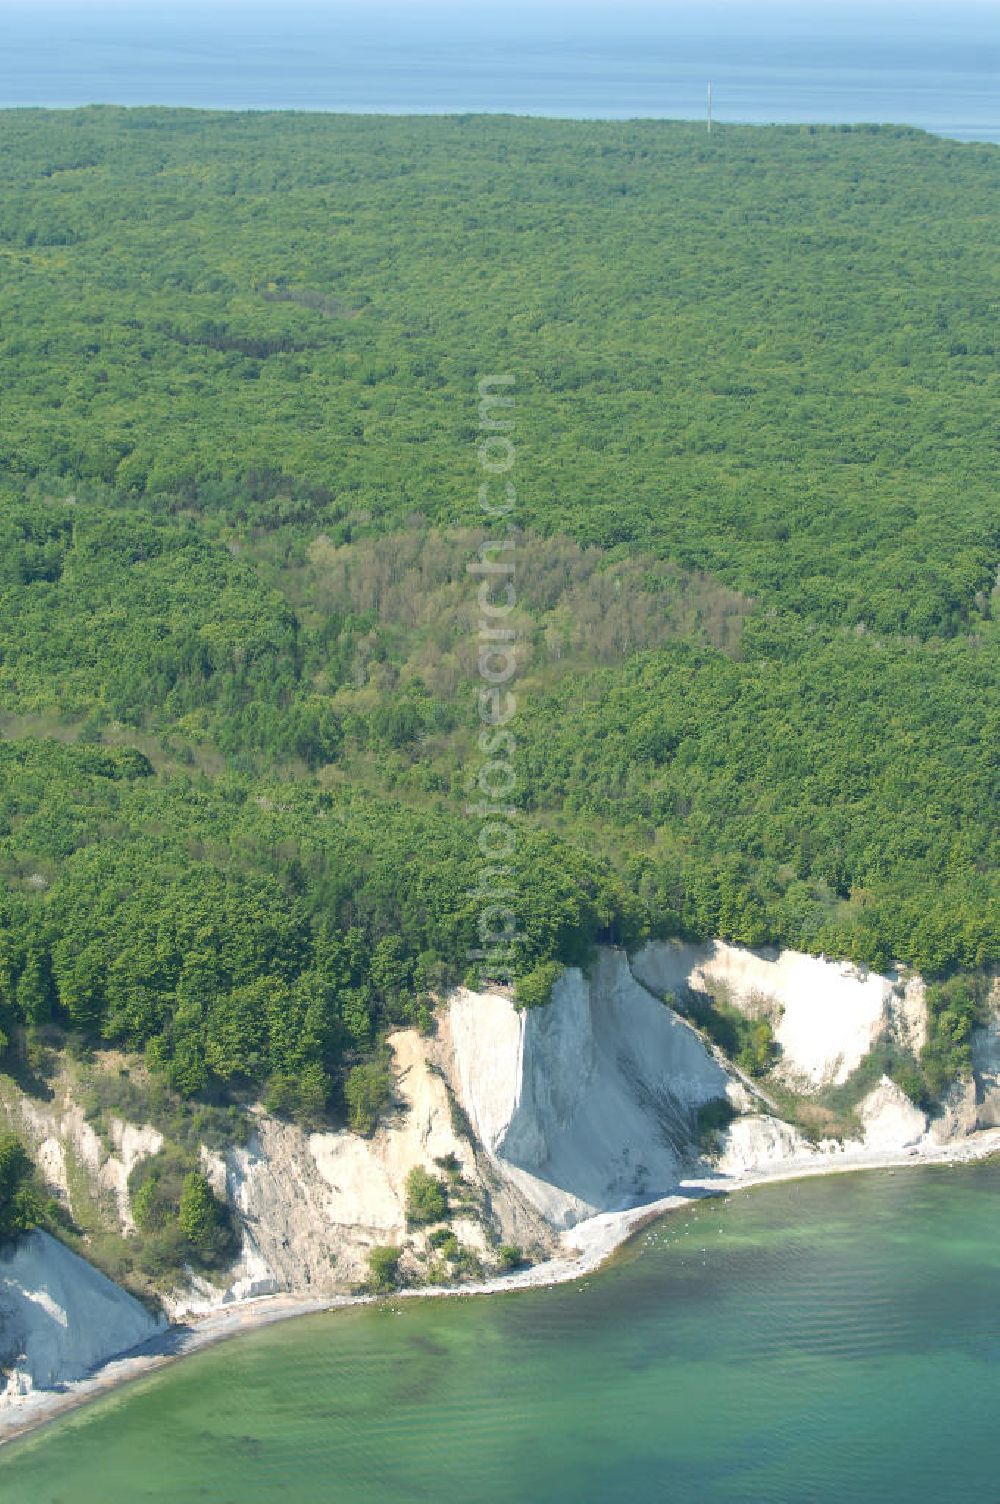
825 1340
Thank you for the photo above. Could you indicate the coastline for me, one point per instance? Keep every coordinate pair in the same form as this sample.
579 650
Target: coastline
590 1244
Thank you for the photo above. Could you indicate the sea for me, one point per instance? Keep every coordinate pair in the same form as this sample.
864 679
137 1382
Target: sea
930 65
827 1341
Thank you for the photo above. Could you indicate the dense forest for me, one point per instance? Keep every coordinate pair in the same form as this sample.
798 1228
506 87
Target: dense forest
758 554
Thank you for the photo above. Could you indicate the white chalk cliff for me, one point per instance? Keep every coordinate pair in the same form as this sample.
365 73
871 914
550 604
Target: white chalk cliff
826 1015
60 1318
558 1123
589 1104
311 1205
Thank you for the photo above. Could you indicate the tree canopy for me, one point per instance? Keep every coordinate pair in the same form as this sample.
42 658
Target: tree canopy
757 557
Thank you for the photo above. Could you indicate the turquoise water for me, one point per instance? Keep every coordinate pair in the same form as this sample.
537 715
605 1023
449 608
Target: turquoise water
831 1340
922 63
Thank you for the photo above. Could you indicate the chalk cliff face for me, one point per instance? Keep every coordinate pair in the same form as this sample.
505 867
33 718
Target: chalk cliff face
311 1205
589 1104
63 1141
60 1318
553 1124
826 1015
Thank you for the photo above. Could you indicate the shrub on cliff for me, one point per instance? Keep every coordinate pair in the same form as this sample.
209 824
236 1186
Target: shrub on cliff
367 1088
534 988
179 1216
204 1220
22 1205
954 1009
426 1199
